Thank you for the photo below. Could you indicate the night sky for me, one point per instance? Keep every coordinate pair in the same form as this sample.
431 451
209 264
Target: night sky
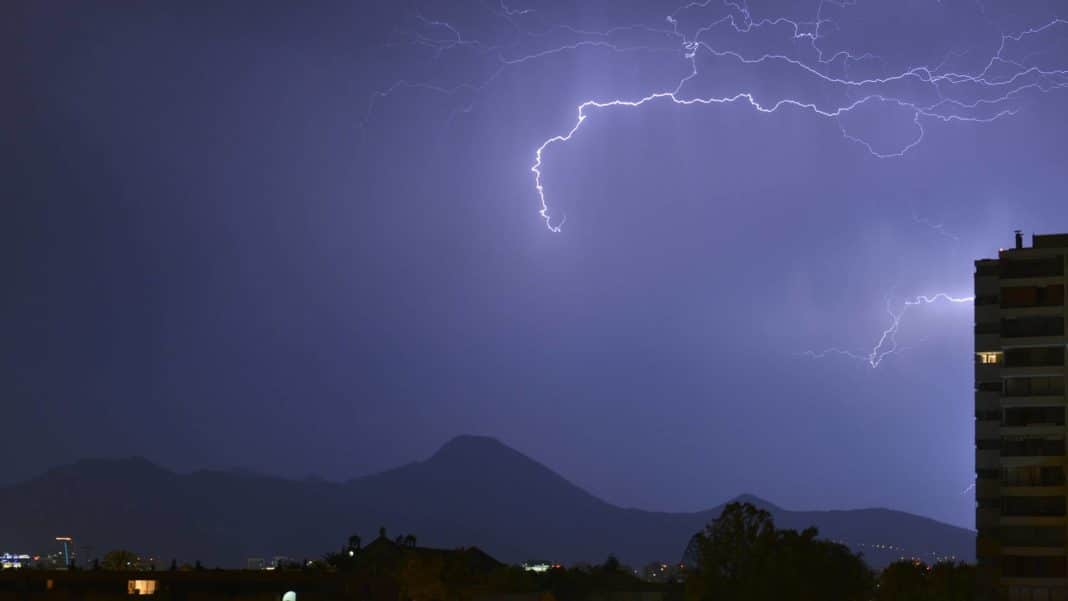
304 238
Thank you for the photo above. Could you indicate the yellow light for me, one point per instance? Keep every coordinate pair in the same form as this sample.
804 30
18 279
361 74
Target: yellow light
141 587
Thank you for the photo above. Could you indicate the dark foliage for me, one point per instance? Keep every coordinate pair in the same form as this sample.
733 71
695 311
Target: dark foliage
916 581
741 556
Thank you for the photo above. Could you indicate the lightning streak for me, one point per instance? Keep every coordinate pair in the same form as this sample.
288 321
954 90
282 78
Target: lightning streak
887 343
923 94
1006 88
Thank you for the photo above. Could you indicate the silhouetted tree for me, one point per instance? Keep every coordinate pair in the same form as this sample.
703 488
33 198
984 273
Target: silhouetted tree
903 580
742 557
120 559
174 565
952 581
346 559
912 580
198 566
382 532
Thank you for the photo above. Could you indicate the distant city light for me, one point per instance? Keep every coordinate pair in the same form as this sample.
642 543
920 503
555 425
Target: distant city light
538 566
10 561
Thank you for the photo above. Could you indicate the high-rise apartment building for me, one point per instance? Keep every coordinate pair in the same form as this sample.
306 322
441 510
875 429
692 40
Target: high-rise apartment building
1020 454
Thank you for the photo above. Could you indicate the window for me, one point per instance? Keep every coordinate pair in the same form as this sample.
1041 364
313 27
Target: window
1032 296
986 474
1032 536
987 268
990 299
988 444
988 327
1033 567
989 415
1042 356
1033 268
993 358
1052 446
1032 447
989 386
1024 327
141 587
1033 475
1033 506
1040 386
1026 416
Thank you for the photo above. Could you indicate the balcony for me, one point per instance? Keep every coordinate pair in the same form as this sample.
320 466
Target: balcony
987 399
987 458
987 517
987 342
1031 371
1046 390
987 372
1027 327
987 489
1032 446
1033 430
987 313
1020 297
1032 269
987 429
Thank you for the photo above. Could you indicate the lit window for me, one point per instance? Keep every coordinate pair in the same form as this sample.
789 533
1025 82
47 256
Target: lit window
141 587
988 358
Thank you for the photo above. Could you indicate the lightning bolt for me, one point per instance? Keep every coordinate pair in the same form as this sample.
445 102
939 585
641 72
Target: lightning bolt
924 94
887 344
939 228
1020 79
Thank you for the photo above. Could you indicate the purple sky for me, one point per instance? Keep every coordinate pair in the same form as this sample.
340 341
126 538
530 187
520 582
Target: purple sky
305 239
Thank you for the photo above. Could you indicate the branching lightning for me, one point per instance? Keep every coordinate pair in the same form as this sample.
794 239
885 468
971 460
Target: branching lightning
923 94
887 343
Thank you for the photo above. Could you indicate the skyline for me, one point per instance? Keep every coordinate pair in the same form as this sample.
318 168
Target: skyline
229 248
472 491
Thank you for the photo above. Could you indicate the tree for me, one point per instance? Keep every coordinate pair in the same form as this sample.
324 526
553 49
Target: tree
120 559
952 581
732 550
345 560
741 556
912 580
904 580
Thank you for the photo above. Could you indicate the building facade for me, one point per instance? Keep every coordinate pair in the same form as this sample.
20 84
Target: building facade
1020 456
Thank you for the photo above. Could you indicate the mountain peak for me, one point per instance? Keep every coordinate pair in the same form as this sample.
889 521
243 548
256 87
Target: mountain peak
472 442
756 501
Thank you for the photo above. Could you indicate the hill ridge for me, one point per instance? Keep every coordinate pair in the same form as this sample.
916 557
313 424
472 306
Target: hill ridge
474 491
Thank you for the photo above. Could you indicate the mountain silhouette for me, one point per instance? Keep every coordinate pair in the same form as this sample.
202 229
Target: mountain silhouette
475 491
